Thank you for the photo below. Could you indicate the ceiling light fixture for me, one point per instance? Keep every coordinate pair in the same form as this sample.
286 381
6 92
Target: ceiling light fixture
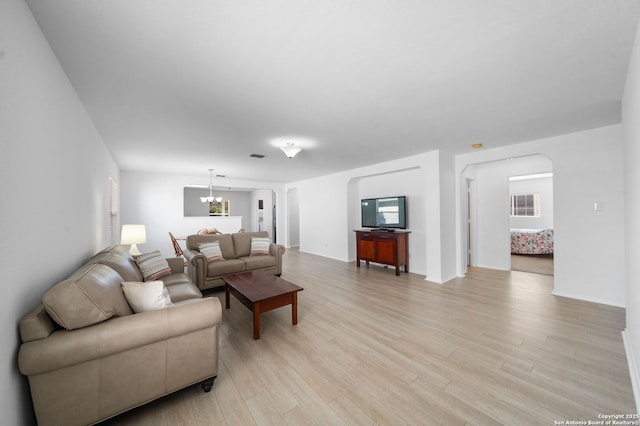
210 198
290 150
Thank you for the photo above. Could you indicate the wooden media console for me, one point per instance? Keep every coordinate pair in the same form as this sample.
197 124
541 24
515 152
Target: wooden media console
385 247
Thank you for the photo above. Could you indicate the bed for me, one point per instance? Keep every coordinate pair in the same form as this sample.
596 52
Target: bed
532 241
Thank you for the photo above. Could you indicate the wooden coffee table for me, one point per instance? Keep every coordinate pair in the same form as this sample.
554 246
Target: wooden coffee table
261 292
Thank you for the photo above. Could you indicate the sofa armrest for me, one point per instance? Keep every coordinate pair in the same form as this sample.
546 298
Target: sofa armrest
194 257
65 348
277 250
36 325
196 267
176 264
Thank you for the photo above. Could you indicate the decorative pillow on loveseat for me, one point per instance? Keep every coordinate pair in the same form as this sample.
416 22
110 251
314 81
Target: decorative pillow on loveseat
211 251
153 265
259 246
146 296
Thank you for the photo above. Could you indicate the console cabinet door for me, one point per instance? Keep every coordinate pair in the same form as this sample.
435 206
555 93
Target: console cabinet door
383 247
367 249
386 251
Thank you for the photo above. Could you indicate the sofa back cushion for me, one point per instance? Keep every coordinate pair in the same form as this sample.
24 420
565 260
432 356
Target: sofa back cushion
242 241
91 295
225 240
119 260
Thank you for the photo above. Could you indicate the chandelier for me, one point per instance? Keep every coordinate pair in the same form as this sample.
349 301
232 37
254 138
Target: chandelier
210 198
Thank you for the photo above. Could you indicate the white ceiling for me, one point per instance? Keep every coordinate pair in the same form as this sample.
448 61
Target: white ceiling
181 86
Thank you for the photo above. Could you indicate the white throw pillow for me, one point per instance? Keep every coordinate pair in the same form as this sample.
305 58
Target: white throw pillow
259 246
146 296
211 251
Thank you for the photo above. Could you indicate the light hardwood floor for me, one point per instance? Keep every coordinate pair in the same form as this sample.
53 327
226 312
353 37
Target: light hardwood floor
371 348
537 263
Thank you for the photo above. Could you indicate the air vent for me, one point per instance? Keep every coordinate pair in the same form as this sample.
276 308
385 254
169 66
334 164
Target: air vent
256 156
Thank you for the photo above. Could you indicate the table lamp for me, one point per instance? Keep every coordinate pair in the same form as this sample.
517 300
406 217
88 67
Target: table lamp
133 234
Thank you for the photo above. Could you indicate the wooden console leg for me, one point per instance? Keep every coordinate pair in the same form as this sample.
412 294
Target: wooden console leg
256 321
294 309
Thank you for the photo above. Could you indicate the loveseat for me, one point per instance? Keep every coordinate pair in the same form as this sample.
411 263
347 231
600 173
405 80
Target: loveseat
235 255
89 357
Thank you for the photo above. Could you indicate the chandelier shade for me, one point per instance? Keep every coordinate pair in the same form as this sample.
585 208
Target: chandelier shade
290 150
210 198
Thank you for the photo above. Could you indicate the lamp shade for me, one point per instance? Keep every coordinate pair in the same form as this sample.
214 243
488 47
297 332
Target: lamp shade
133 234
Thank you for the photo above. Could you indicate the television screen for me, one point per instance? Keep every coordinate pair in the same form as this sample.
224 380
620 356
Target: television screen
388 212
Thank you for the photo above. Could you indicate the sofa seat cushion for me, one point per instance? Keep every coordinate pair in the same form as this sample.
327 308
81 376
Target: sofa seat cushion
225 267
258 262
91 295
176 278
183 291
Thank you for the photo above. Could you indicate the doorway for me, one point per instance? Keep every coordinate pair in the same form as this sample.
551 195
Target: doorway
531 222
487 199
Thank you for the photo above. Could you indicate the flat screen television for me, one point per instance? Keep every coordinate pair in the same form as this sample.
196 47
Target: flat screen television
384 213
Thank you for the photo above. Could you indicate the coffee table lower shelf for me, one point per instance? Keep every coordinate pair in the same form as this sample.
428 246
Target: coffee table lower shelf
261 292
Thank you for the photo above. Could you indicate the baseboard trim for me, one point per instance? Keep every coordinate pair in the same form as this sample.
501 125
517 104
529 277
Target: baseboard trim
633 370
588 299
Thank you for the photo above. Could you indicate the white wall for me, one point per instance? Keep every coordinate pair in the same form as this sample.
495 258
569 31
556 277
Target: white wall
293 218
448 224
156 200
330 209
587 167
54 172
544 188
323 215
262 220
631 125
440 217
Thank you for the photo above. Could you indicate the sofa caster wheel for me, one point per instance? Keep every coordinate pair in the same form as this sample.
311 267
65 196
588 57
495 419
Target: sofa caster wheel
208 384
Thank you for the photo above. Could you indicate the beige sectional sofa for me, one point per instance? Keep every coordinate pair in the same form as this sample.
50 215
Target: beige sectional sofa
236 251
89 357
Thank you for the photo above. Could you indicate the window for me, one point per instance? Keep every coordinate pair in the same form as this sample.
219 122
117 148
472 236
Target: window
525 205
